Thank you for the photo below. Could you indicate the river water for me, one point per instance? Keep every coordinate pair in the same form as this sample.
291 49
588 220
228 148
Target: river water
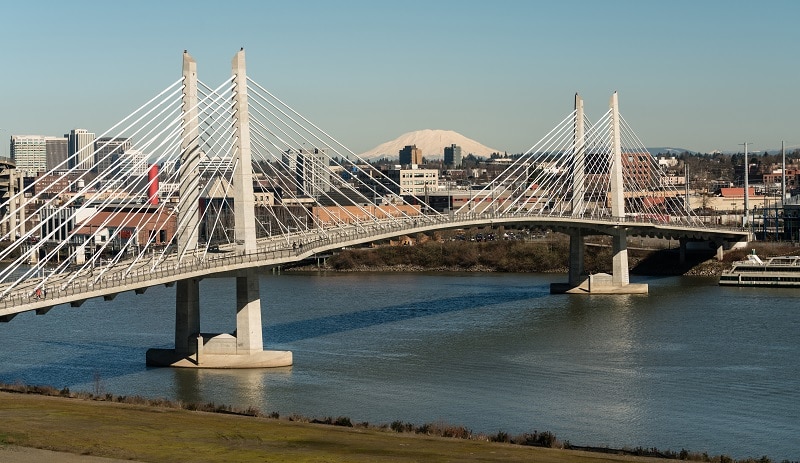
691 365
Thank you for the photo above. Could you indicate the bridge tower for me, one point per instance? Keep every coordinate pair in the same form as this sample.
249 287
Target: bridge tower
576 237
619 275
244 347
189 185
248 299
619 281
579 161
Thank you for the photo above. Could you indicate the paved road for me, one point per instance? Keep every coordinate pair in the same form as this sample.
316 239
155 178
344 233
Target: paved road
14 454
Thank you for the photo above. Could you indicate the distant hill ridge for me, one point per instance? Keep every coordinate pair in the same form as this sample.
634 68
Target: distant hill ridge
431 142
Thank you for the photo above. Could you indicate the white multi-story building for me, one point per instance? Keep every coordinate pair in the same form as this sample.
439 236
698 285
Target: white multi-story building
416 182
81 149
29 152
667 162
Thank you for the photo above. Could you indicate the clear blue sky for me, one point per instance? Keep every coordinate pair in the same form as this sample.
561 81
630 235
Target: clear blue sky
701 75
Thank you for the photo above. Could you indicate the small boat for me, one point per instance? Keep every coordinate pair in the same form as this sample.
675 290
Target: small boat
781 271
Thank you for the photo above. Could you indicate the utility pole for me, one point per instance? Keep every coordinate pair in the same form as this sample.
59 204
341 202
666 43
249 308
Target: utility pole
746 218
783 172
687 207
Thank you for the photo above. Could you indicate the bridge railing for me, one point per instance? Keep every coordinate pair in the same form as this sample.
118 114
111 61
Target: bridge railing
121 276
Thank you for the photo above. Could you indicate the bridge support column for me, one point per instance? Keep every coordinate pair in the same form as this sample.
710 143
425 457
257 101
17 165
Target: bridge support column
602 283
16 205
682 251
248 314
243 196
576 254
619 275
187 316
189 176
243 348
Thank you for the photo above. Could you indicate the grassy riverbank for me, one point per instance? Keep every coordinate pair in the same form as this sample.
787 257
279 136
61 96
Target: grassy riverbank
136 429
161 434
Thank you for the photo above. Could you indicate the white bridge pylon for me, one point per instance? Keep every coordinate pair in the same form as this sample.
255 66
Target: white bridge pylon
207 181
244 348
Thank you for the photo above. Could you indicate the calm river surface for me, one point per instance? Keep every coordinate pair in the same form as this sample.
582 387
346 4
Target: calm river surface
692 365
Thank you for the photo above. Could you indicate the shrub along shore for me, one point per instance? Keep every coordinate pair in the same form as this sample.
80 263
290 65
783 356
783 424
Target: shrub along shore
548 253
140 429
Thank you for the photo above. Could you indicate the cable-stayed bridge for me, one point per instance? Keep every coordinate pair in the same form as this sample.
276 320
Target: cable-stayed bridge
205 181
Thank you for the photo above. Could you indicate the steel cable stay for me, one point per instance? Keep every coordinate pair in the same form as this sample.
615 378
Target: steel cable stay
333 142
38 195
51 201
123 226
482 193
318 136
285 162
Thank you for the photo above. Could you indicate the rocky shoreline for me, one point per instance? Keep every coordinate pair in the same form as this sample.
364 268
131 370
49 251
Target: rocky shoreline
400 268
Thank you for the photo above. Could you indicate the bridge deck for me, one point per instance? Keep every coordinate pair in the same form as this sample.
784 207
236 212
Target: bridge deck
107 281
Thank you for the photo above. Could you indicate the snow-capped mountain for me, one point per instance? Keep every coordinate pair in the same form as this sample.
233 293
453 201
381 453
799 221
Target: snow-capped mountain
432 144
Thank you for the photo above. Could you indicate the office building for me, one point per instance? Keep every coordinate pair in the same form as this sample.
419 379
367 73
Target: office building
57 149
312 171
289 160
168 171
133 163
413 182
410 155
452 156
107 151
81 149
29 152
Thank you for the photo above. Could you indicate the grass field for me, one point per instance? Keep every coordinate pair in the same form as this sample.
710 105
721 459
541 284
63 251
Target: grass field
161 434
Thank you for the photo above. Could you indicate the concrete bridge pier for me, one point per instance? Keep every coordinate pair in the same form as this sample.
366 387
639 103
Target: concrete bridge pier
187 315
620 275
577 246
248 314
243 348
719 247
601 283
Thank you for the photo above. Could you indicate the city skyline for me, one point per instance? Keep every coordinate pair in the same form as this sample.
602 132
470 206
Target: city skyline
703 76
